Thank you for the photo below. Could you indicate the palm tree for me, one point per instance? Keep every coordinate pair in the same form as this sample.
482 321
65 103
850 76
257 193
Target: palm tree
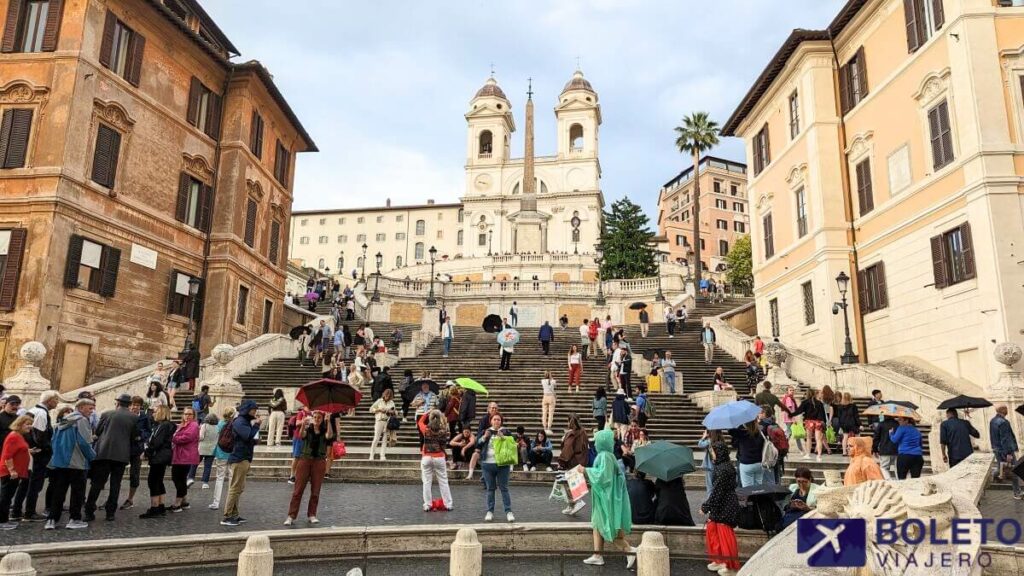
697 134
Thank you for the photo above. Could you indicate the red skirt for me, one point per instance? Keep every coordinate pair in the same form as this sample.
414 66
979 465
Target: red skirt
721 543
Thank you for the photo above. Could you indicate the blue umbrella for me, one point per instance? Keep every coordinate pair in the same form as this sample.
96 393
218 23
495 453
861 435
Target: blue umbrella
508 337
731 415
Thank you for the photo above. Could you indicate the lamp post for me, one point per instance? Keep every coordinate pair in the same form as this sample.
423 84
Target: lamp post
341 262
193 295
376 280
431 301
575 233
600 301
362 273
490 238
843 282
659 297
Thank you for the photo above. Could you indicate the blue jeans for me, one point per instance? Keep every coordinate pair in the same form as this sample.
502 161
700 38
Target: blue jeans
447 345
670 381
497 477
207 465
751 474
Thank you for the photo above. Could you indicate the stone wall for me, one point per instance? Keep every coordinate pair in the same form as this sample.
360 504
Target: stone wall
469 314
575 312
405 313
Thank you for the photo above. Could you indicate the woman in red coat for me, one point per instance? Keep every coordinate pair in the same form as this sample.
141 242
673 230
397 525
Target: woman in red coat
14 463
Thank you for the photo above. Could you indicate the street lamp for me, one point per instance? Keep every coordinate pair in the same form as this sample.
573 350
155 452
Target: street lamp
575 232
341 262
363 272
431 301
193 295
600 301
843 282
490 238
376 281
659 297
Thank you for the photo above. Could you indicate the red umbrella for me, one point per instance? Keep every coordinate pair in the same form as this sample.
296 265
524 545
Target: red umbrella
329 396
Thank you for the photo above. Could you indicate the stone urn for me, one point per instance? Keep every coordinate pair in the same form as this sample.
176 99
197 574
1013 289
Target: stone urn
28 381
776 353
1009 382
1006 353
225 390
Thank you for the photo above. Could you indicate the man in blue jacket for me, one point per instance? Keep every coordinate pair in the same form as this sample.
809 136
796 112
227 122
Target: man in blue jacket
1004 444
69 463
246 429
546 335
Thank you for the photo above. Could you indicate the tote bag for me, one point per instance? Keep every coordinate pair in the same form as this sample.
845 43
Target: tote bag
506 452
797 431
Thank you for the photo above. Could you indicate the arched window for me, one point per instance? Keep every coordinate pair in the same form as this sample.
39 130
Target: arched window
359 262
398 262
320 264
542 186
419 251
459 238
516 189
576 138
421 227
486 144
341 263
461 215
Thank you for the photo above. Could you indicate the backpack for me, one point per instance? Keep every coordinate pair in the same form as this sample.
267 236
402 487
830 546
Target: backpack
778 439
769 454
197 404
226 438
442 403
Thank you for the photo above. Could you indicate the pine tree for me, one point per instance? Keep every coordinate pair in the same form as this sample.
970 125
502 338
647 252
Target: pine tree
738 267
627 243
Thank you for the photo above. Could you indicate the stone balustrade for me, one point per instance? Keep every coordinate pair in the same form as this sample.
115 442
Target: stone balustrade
640 287
709 399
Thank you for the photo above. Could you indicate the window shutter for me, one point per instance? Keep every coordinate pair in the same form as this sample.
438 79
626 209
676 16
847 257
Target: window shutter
862 68
184 186
883 295
767 146
910 13
101 156
74 260
256 135
938 13
107 44
968 247
6 125
171 286
11 26
864 190
17 142
194 93
938 261
138 46
945 132
115 154
52 30
844 89
12 271
206 212
250 223
213 116
275 242
935 137
863 295
111 262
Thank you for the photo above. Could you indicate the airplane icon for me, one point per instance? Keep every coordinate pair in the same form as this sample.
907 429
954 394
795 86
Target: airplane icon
836 543
831 537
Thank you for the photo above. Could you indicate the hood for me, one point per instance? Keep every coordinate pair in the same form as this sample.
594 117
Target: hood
721 452
69 420
860 446
246 407
604 441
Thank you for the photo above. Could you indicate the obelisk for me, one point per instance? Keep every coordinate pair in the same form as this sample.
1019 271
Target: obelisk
529 231
528 203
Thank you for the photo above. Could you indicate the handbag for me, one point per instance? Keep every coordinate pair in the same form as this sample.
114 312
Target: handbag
338 449
394 423
797 431
830 434
506 451
559 492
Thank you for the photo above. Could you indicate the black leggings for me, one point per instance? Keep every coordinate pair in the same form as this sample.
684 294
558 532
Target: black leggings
155 479
179 475
909 463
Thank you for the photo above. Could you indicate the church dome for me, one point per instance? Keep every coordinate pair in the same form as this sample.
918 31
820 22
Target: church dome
491 88
578 82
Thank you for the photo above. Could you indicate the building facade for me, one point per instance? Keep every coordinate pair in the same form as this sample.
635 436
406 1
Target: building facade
724 211
890 147
491 219
134 157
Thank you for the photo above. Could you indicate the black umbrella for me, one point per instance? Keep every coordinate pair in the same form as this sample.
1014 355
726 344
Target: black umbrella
1020 409
962 401
417 385
637 306
298 331
771 491
493 324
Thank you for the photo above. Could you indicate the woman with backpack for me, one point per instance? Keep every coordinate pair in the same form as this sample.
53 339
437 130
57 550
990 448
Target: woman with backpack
185 455
749 444
220 457
159 452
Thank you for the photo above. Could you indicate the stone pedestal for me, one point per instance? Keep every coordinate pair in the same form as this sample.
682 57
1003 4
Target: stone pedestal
709 399
429 322
652 558
257 559
376 312
224 389
17 563
28 382
467 554
1008 388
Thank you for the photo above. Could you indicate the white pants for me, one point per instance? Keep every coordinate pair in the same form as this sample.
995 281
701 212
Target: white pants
275 428
430 467
223 473
886 463
380 430
709 351
547 411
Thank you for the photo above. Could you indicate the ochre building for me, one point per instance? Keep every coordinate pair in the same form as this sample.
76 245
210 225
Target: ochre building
135 156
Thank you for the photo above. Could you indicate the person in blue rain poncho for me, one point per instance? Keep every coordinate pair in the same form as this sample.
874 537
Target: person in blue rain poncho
612 516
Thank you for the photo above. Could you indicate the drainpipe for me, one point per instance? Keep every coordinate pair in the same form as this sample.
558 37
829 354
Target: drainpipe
213 202
844 169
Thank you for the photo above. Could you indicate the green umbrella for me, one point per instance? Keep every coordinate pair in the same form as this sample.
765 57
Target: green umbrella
470 384
664 460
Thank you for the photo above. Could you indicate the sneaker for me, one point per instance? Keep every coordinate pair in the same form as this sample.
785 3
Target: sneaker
426 507
214 505
1018 496
206 486
50 525
175 509
240 520
77 525
185 505
32 517
151 513
15 517
594 560
190 482
314 520
127 504
549 469
526 467
288 521
576 507
8 526
726 572
510 517
229 522
291 480
489 517
715 567
567 509
630 561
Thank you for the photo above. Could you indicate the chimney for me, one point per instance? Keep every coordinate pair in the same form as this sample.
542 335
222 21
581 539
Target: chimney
430 201
388 203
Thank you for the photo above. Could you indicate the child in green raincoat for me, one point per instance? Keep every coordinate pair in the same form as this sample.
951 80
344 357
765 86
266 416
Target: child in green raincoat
611 516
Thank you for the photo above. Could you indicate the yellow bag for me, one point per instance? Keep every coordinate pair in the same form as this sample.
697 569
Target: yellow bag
654 383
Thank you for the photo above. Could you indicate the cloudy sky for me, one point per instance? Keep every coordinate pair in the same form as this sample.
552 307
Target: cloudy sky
382 86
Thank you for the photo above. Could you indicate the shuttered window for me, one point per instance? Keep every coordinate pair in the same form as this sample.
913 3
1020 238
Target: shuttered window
250 223
953 256
807 291
769 238
282 159
865 196
871 288
92 266
274 247
941 135
243 304
268 314
762 150
923 18
773 316
256 134
32 25
794 114
105 156
193 206
801 213
179 302
12 253
121 49
204 109
14 132
853 81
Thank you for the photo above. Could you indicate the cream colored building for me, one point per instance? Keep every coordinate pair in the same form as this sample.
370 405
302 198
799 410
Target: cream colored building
499 214
893 153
